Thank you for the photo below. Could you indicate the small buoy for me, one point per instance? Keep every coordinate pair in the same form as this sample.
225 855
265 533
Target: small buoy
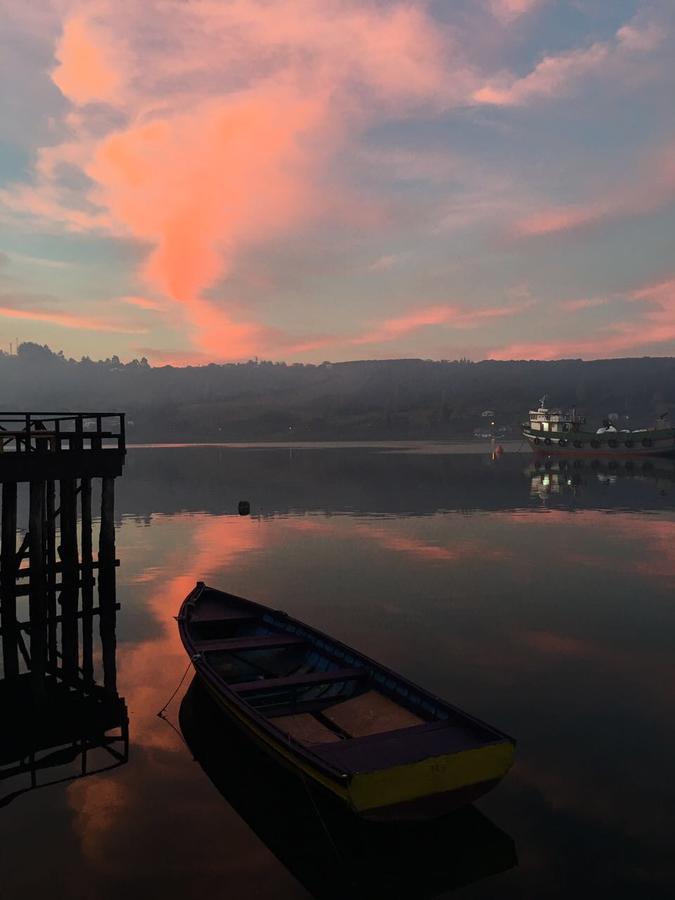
244 507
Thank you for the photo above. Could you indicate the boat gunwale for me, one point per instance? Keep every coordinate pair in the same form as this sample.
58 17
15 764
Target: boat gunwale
205 669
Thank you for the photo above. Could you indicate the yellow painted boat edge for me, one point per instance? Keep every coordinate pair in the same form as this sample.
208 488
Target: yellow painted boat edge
435 775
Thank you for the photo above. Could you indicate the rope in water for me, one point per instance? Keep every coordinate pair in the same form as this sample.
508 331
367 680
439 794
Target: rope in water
321 819
166 705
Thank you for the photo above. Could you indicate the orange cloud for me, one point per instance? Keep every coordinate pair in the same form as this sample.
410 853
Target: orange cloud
68 320
651 188
509 10
226 136
227 124
86 72
655 326
198 185
458 317
145 303
556 76
583 303
551 77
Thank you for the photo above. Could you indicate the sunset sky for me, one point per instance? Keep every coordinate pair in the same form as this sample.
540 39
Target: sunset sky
308 180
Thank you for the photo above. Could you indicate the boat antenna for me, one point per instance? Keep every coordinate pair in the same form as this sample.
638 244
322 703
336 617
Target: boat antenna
543 400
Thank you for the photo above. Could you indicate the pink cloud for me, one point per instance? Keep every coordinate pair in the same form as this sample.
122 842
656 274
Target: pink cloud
654 327
556 76
510 10
206 164
47 205
86 70
651 188
383 263
67 320
456 316
583 303
144 303
228 119
551 77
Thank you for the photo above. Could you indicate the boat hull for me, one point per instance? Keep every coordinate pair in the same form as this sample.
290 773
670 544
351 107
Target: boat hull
360 859
366 798
626 445
427 782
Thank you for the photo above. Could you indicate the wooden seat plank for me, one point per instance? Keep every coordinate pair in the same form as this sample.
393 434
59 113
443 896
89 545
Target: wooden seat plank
291 681
370 713
254 642
305 728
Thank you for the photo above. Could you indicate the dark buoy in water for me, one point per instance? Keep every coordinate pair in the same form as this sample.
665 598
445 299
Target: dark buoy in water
244 507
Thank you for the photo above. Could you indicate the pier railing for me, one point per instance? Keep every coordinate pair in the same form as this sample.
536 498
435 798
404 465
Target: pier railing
56 432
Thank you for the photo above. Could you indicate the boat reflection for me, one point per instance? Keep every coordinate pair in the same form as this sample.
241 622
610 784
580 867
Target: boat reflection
332 853
561 477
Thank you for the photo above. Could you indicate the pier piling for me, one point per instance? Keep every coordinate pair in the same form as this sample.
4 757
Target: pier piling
49 693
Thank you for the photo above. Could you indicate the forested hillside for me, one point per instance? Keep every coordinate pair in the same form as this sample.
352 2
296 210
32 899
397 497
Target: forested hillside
383 399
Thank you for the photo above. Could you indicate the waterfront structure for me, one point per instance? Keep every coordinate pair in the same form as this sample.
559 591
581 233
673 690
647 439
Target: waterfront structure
53 587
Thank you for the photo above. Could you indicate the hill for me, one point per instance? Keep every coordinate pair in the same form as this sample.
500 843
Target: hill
368 399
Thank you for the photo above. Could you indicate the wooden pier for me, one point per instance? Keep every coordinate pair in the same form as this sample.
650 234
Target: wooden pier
57 680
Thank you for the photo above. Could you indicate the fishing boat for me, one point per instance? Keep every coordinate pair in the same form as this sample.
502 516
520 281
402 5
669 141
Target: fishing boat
387 749
557 431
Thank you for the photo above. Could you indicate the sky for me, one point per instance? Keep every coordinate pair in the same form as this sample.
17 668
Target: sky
304 180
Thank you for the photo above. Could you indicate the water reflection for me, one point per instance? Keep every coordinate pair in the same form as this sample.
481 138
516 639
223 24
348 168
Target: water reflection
551 617
376 482
575 478
73 735
329 851
57 723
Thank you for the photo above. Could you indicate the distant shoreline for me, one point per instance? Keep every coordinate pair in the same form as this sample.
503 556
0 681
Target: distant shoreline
421 446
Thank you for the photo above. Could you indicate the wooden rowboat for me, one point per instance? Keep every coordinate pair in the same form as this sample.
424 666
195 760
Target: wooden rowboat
332 853
385 747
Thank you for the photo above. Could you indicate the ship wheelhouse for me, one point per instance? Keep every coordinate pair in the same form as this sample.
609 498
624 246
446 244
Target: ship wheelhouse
554 421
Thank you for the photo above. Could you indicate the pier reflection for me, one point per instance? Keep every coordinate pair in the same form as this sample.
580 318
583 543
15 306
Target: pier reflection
331 852
61 716
66 735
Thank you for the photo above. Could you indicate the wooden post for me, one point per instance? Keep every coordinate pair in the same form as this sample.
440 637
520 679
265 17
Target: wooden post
50 538
79 443
69 579
106 583
97 442
87 583
10 653
37 597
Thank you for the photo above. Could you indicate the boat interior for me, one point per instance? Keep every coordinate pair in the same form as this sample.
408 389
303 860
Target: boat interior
311 688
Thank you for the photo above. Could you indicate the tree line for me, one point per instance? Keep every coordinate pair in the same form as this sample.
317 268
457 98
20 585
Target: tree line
364 399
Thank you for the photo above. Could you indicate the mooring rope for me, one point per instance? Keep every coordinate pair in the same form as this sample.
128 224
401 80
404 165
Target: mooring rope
160 714
164 708
321 819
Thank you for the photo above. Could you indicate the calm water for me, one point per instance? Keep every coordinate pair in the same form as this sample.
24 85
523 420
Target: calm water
541 601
